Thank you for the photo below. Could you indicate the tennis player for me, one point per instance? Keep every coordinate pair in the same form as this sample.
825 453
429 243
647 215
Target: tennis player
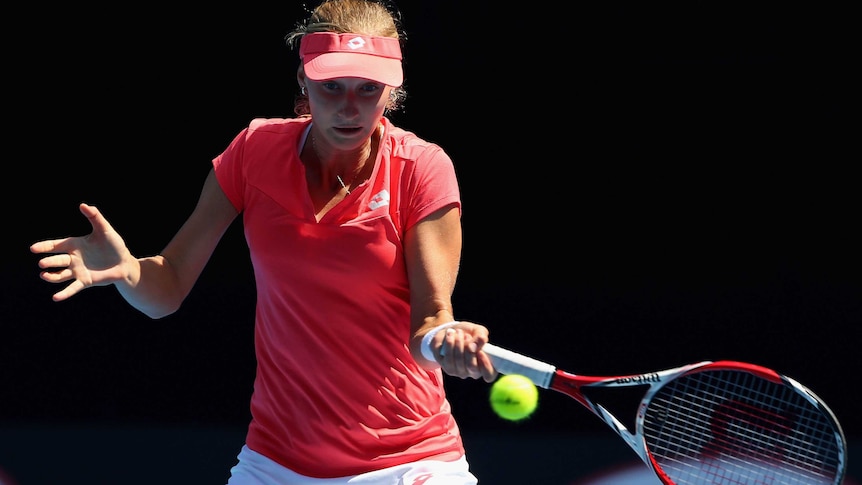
353 227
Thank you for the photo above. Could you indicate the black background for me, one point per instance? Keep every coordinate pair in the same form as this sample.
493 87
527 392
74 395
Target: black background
643 186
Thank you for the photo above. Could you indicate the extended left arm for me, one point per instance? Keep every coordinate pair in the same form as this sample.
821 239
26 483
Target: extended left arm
433 253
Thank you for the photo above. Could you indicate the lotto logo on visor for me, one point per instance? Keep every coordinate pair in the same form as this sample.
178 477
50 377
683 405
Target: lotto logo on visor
327 55
356 43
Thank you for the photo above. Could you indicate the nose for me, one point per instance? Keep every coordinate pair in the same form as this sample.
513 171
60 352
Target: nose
349 105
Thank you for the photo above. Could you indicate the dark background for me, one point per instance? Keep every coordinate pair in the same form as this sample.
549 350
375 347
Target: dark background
643 186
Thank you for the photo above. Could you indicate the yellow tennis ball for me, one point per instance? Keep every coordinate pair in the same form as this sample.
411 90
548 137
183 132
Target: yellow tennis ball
514 397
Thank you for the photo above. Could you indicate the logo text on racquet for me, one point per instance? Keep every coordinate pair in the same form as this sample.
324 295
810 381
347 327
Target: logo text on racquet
643 378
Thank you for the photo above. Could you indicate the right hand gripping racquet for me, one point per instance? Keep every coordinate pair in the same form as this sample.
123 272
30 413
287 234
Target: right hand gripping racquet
723 422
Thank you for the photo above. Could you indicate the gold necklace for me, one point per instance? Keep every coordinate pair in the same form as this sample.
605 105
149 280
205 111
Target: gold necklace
317 153
338 177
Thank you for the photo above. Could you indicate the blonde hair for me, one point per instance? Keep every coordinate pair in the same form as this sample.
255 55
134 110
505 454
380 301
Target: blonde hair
369 17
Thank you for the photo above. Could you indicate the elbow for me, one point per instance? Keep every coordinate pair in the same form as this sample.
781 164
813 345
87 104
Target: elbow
157 315
159 312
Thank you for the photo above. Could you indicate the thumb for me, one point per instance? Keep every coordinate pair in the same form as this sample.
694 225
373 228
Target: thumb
97 220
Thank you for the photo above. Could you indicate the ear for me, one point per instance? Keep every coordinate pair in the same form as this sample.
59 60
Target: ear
300 76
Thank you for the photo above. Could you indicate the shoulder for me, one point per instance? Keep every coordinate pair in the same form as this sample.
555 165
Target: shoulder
264 142
408 146
278 125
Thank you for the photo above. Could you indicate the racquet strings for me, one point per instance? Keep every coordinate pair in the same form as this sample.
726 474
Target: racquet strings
730 426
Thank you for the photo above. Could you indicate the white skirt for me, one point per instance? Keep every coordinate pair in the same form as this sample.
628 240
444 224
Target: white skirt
256 469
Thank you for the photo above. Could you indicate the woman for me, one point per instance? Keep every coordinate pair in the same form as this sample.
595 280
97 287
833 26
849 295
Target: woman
353 227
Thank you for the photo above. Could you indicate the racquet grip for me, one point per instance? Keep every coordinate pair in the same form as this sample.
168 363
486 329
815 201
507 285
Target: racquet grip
508 362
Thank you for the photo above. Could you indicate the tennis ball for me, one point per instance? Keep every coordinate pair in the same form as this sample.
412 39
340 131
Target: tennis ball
514 397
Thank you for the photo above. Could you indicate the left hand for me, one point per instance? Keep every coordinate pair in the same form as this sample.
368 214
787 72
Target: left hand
460 352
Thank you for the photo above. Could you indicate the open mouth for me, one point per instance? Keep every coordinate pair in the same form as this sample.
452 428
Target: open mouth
348 131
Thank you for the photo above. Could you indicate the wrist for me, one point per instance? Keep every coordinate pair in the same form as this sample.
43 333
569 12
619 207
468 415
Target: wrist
425 346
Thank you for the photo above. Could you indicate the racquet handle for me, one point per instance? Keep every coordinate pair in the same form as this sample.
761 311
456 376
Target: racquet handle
508 362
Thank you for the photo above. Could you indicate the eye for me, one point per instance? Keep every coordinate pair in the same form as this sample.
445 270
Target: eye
370 88
330 85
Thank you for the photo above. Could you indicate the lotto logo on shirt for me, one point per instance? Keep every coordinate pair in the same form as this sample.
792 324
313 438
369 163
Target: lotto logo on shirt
380 199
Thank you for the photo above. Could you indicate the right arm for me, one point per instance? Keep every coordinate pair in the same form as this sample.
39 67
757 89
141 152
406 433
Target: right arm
155 285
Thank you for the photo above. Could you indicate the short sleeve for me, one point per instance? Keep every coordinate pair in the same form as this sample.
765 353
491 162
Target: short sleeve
230 172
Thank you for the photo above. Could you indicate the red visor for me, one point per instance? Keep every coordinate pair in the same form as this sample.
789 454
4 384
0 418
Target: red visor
327 55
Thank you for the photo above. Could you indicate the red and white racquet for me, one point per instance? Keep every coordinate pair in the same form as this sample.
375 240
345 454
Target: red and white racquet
722 422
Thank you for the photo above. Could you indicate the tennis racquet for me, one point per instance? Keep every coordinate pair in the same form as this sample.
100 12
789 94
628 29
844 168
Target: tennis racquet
722 422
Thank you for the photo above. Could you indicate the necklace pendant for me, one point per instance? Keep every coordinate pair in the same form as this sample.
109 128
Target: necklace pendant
338 177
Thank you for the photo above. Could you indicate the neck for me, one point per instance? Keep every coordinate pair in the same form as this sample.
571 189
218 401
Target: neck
344 170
